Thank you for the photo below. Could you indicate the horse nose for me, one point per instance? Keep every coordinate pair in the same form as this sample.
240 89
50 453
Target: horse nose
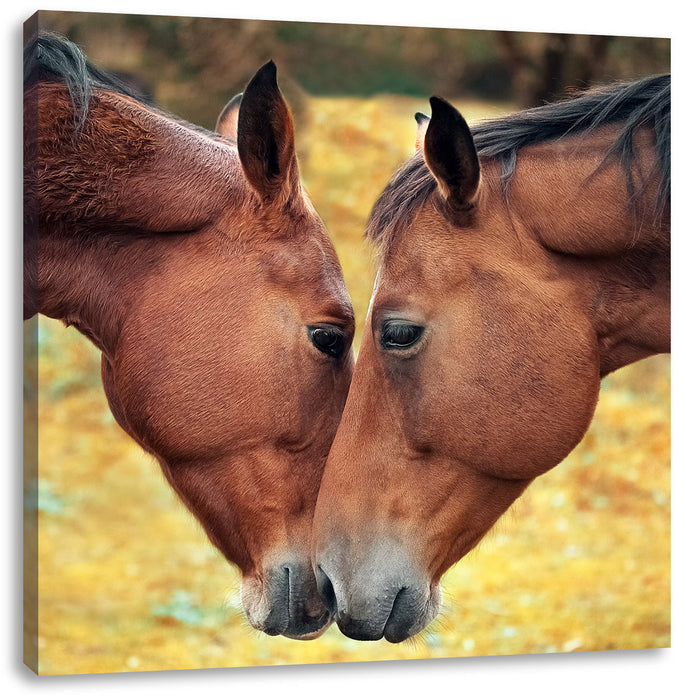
285 600
326 591
379 596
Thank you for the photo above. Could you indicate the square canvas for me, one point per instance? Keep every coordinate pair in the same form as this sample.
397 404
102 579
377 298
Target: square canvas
342 343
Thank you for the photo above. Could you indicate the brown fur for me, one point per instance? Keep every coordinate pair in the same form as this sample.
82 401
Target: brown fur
527 301
147 236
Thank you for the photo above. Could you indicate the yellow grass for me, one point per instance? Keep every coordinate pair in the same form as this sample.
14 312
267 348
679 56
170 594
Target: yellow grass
128 581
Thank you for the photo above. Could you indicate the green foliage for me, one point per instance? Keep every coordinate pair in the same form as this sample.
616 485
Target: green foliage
40 496
181 608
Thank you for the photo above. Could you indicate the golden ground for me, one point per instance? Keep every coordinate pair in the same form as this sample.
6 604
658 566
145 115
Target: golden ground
128 581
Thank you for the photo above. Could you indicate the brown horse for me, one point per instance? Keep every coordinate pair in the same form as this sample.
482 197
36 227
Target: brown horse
198 266
519 263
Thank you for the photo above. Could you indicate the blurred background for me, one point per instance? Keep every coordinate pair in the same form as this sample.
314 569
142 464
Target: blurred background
124 577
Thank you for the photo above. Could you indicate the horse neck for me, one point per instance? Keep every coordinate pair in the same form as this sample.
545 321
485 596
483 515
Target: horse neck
627 299
129 164
616 253
91 283
101 203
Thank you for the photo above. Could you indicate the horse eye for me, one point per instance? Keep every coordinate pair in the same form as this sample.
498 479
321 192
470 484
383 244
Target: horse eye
399 334
327 339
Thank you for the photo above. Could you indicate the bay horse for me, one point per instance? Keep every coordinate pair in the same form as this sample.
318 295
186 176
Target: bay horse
520 261
197 265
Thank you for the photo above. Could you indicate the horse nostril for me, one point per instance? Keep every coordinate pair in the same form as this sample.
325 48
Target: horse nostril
326 590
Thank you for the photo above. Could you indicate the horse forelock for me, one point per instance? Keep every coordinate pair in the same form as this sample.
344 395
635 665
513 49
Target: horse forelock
409 188
631 106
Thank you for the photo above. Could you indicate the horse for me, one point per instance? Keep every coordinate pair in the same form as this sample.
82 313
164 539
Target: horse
198 266
519 262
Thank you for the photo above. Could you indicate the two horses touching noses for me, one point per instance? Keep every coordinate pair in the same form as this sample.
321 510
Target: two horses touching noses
520 261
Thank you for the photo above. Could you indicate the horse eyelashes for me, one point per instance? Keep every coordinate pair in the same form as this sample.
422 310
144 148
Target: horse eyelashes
398 335
327 340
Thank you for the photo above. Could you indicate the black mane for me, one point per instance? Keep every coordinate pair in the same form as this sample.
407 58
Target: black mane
644 102
52 58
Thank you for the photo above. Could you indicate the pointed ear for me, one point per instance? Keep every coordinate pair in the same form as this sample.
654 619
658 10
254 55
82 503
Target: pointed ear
451 155
227 124
266 146
422 122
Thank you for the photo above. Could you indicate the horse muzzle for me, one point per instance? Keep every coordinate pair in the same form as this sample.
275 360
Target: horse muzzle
382 596
284 600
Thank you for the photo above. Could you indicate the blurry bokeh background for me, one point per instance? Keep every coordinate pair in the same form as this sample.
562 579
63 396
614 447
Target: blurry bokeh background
125 578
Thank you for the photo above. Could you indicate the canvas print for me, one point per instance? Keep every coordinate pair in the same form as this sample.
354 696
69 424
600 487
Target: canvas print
342 343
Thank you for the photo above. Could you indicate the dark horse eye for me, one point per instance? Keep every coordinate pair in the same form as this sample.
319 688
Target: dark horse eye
327 339
397 335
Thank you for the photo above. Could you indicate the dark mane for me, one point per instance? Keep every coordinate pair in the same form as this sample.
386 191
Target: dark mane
645 102
52 58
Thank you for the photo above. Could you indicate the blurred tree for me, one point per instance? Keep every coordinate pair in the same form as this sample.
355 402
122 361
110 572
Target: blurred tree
194 65
545 67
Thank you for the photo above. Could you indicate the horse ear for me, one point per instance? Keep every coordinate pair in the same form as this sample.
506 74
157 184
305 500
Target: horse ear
227 124
422 122
451 155
266 146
